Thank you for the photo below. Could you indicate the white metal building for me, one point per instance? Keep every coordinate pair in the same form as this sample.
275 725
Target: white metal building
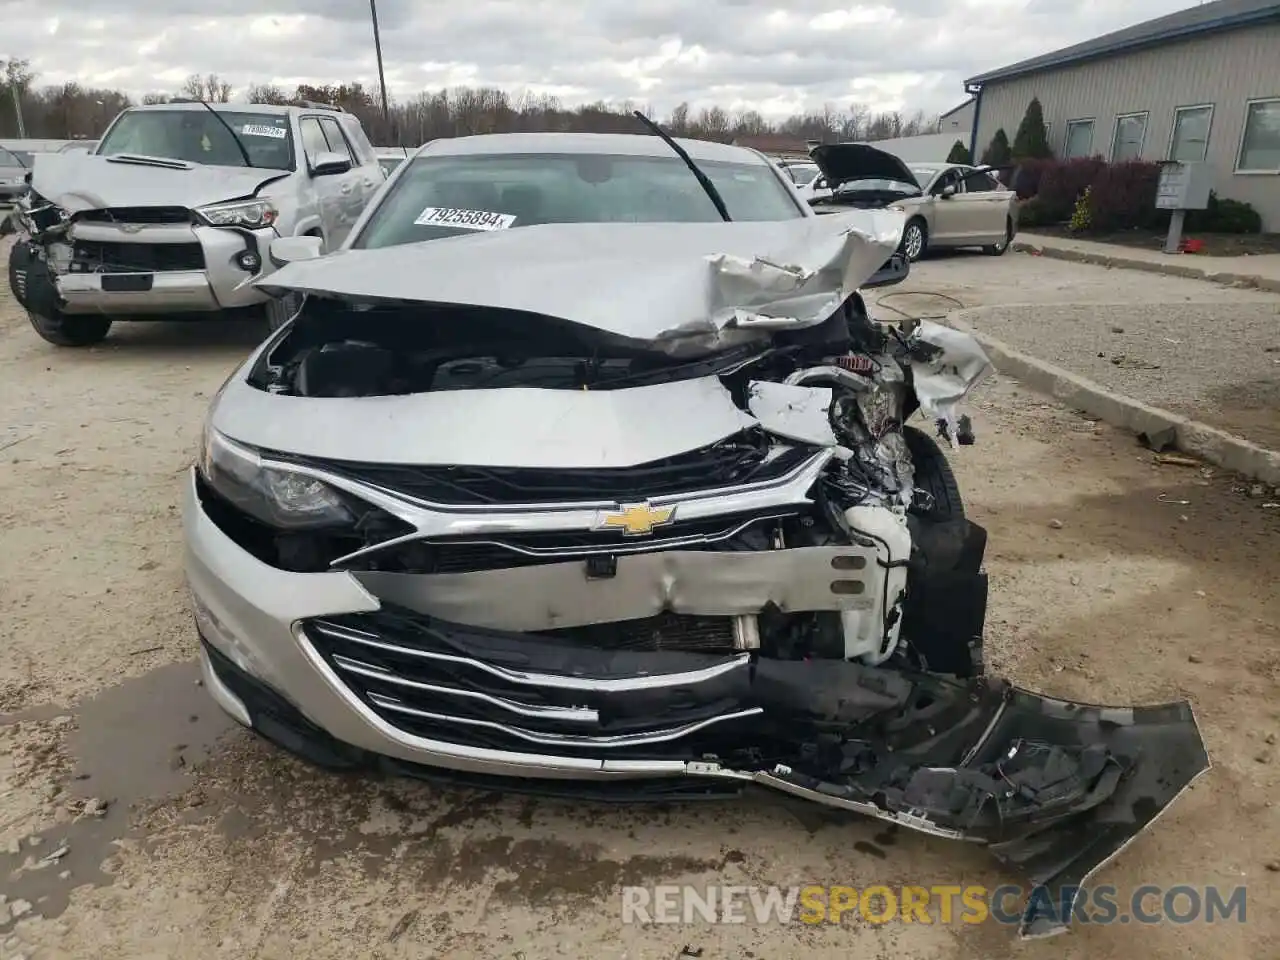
1202 84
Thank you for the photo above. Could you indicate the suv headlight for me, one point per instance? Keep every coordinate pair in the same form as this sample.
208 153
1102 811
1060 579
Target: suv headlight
253 214
281 498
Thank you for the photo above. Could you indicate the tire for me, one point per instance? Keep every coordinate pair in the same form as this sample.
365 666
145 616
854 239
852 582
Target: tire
71 331
1001 248
933 474
915 237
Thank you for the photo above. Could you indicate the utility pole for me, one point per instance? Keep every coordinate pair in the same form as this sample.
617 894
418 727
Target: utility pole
17 111
377 46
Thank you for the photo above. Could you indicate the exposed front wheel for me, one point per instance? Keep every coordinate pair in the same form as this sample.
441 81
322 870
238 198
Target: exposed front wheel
915 238
998 249
71 331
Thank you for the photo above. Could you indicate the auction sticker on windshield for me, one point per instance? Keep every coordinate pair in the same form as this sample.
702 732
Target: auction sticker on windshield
464 219
262 130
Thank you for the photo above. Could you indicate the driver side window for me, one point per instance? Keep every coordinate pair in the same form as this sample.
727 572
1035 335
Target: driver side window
949 179
313 141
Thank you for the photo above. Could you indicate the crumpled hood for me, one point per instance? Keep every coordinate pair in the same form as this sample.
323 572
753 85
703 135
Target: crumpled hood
842 162
82 181
692 288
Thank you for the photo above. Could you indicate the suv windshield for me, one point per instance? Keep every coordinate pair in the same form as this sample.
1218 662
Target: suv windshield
447 196
197 136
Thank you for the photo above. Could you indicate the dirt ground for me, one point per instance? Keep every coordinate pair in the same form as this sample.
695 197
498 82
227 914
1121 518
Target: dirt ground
1115 579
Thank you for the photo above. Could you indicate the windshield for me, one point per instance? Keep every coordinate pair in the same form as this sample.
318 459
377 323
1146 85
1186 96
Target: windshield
801 173
878 186
447 196
198 136
924 174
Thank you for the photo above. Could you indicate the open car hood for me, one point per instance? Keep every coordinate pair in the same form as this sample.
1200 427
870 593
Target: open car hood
690 288
843 162
83 181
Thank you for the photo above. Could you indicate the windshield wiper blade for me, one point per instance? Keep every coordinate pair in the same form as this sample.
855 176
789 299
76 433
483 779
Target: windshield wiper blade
703 179
234 136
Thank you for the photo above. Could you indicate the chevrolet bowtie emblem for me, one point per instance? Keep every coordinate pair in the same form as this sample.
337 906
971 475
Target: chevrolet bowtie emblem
635 519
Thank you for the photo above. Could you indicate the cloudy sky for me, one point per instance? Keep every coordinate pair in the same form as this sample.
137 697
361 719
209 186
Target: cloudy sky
777 56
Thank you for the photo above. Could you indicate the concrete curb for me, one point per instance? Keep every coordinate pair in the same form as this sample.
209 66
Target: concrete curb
1133 263
1216 446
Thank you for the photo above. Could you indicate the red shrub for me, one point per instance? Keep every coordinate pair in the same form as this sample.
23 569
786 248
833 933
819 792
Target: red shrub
1026 176
1123 196
1061 185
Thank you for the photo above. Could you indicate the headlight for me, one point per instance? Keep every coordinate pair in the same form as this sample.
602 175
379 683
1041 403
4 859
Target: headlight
253 214
897 208
281 498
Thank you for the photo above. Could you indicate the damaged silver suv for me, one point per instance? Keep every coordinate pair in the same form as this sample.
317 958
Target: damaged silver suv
171 216
534 495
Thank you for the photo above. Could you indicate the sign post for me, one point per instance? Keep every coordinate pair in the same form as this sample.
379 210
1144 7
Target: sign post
1183 186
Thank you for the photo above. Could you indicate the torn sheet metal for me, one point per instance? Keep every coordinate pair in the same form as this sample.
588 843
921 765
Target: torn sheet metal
798 413
693 288
83 181
946 364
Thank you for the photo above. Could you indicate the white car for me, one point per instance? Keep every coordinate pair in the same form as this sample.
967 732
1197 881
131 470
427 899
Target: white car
560 482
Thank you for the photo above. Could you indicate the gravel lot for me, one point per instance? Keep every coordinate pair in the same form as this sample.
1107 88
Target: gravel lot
214 845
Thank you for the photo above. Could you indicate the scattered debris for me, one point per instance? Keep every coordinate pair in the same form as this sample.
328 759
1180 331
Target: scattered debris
1273 866
1117 329
56 855
1263 757
1165 498
1055 524
402 925
1195 658
1257 491
688 951
19 908
138 653
65 875
1132 363
1159 440
1201 593
1075 581
34 841
1271 738
1177 460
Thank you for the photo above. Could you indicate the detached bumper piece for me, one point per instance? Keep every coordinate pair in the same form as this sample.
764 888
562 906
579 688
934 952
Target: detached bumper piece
1053 788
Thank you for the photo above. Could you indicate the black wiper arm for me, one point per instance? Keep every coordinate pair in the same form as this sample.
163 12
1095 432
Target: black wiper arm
703 179
234 136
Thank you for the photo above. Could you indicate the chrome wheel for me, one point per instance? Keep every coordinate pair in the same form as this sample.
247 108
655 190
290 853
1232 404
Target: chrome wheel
913 241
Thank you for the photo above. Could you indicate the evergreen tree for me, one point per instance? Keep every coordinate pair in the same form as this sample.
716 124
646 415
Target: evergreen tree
998 153
959 153
1031 141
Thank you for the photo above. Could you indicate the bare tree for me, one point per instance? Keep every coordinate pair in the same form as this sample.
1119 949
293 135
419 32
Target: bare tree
266 93
209 88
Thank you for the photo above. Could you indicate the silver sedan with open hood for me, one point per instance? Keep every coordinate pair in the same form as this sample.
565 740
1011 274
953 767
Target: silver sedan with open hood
534 495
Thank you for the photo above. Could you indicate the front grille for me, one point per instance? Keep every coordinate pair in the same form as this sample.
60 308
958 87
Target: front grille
739 460
536 693
741 532
667 631
147 215
100 256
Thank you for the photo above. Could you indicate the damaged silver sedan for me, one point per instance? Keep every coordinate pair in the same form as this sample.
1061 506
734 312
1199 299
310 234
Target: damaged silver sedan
634 510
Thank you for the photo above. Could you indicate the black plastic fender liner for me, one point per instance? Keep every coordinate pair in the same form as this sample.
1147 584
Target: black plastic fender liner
1055 789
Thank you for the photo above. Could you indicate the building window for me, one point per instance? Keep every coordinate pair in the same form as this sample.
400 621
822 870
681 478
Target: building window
1079 139
1189 141
1260 142
1126 142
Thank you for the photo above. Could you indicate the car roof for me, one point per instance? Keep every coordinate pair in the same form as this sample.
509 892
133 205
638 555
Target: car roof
267 109
628 144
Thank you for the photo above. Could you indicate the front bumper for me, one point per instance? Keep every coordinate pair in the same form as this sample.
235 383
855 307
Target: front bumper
208 280
319 665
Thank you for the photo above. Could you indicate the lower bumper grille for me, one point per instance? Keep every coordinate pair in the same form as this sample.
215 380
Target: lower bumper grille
667 631
533 693
108 257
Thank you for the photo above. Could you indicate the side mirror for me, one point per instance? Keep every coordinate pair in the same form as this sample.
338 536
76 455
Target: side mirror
948 191
329 164
292 249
